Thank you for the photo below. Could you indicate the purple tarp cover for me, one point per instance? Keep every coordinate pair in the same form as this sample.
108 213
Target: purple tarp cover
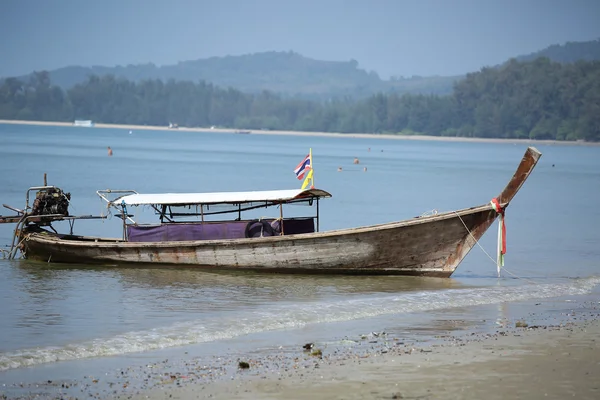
173 232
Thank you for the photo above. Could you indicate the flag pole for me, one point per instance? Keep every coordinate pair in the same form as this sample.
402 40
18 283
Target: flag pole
312 167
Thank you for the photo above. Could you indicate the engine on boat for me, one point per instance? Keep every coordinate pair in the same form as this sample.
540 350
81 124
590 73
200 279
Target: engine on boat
51 201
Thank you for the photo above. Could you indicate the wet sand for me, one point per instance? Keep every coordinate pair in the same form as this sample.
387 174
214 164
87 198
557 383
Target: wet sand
539 362
299 133
555 357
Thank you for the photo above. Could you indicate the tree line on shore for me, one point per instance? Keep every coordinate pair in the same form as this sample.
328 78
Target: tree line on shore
539 99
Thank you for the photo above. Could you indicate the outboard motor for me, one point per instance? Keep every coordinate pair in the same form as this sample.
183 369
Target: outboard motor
51 201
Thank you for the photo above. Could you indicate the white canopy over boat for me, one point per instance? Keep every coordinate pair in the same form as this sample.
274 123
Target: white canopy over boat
275 196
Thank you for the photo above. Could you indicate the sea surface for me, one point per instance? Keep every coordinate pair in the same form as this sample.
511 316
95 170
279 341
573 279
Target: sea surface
61 321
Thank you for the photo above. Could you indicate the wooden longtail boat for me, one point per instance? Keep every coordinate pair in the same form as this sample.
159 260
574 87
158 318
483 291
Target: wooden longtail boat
431 245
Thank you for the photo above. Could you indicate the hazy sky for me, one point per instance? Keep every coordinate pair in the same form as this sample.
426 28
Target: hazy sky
392 37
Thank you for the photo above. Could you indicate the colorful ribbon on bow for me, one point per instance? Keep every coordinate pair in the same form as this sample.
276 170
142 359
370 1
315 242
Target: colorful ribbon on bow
501 234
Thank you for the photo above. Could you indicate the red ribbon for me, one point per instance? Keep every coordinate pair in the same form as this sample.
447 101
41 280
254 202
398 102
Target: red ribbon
498 208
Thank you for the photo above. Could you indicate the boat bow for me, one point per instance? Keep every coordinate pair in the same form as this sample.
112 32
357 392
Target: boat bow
529 161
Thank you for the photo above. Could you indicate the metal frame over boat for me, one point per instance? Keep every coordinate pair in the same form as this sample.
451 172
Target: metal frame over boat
423 246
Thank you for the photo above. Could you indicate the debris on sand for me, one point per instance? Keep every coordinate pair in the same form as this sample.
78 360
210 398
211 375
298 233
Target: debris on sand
243 365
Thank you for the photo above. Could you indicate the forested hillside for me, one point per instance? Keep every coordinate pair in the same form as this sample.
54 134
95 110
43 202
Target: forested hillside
293 75
538 100
569 52
287 73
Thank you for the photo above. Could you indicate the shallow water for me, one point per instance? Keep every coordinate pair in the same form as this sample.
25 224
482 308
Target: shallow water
54 315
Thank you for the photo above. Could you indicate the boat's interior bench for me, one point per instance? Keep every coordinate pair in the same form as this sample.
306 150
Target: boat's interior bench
180 231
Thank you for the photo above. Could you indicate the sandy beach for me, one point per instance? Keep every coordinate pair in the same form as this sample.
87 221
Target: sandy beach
539 362
298 133
552 353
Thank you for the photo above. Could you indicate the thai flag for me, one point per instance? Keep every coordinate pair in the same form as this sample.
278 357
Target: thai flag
301 169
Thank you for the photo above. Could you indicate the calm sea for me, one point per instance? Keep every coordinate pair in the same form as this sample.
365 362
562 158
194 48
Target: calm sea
56 316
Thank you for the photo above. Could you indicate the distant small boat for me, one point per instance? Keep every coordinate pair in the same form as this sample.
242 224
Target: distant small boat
427 245
243 132
84 123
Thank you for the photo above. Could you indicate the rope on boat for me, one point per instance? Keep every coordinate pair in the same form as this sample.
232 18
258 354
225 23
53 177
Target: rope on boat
18 246
488 254
14 247
430 213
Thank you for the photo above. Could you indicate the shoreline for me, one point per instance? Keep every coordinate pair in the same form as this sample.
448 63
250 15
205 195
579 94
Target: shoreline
542 361
301 133
555 356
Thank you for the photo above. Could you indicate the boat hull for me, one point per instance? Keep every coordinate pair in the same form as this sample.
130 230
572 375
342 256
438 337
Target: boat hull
423 246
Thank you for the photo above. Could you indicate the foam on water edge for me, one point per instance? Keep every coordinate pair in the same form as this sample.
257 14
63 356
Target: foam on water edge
290 316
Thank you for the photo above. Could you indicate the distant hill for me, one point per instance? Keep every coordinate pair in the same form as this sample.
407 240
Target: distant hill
287 73
291 74
569 52
440 85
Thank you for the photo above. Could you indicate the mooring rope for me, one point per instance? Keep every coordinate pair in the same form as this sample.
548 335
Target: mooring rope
18 246
487 254
13 247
